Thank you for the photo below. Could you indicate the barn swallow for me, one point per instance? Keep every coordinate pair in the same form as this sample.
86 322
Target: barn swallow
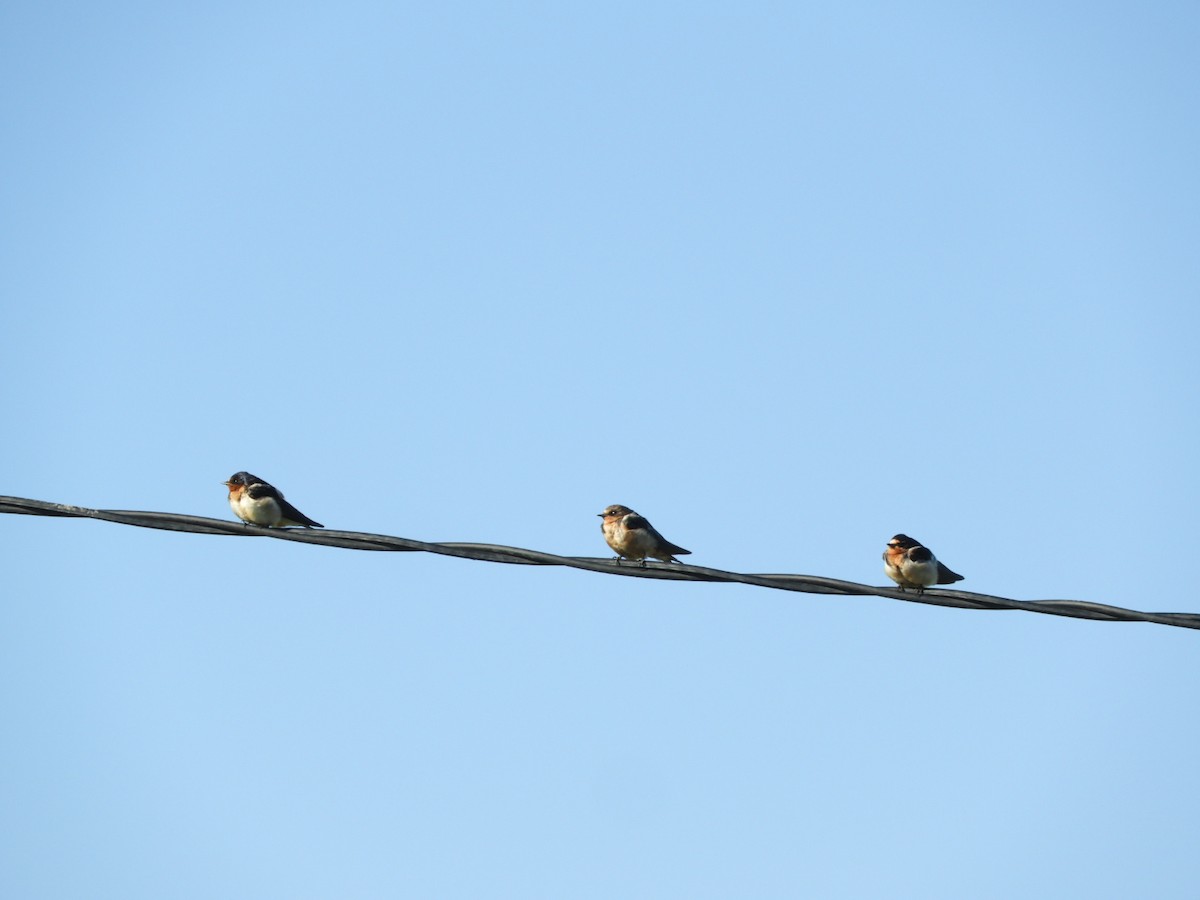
632 537
912 565
259 503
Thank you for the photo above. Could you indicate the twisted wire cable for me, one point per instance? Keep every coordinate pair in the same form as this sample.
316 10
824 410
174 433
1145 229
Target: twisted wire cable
811 584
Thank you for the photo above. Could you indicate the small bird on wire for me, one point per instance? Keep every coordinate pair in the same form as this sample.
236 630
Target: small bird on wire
259 503
912 565
632 537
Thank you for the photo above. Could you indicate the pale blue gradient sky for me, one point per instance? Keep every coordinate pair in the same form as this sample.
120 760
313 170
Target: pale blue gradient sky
786 279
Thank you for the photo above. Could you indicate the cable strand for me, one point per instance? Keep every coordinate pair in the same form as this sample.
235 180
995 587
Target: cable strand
810 584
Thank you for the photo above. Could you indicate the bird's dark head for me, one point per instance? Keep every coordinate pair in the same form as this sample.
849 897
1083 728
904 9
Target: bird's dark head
615 511
903 542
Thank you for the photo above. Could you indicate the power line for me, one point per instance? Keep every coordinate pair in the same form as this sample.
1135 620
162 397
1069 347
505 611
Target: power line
811 584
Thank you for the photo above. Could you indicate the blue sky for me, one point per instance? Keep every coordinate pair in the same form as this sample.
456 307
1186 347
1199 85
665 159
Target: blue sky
786 279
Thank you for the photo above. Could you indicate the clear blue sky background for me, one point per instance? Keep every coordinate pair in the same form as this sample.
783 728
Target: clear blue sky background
785 278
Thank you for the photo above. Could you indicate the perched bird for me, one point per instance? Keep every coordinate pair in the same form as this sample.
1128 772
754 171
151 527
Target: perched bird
913 565
259 503
632 537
